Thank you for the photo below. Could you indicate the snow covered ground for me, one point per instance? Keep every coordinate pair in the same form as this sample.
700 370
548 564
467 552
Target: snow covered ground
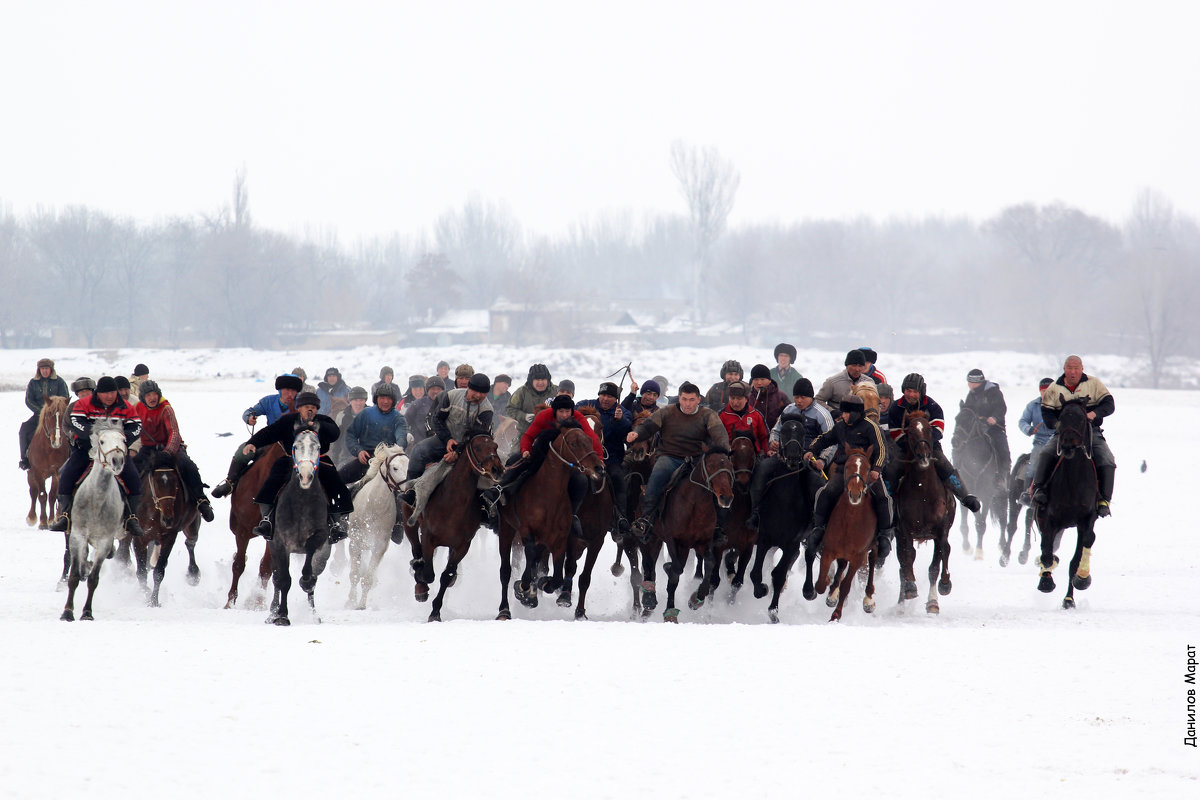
1003 694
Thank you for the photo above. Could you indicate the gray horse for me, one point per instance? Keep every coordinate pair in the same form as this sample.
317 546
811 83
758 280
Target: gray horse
301 526
97 514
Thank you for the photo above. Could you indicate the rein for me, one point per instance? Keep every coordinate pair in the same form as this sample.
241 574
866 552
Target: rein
159 498
708 477
386 472
103 455
54 438
476 464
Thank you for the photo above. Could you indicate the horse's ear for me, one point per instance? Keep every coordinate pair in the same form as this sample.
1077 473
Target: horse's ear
962 404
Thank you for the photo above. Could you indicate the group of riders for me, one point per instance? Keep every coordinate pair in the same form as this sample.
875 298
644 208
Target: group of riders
436 414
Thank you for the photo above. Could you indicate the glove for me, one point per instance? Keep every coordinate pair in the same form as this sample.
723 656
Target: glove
529 417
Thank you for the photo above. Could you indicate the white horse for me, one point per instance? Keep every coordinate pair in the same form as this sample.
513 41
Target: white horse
373 517
96 517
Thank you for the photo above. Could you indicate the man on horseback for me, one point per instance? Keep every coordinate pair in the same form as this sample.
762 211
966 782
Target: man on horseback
986 400
160 434
283 431
616 426
686 431
837 386
1032 424
382 423
416 413
813 418
330 389
739 418
765 395
106 403
83 388
634 404
854 429
140 373
457 415
871 356
357 402
718 393
1075 384
44 384
537 390
887 396
915 399
273 407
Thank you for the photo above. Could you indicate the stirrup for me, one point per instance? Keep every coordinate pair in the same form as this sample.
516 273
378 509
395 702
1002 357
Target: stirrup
132 527
223 488
61 524
265 529
205 508
1102 508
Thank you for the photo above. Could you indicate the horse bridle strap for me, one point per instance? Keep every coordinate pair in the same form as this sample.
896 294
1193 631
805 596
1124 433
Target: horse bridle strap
155 496
385 471
708 477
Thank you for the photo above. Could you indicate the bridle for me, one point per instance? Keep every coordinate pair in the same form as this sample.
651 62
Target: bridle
160 499
385 470
919 446
709 476
473 460
298 459
54 438
105 456
745 470
855 476
575 465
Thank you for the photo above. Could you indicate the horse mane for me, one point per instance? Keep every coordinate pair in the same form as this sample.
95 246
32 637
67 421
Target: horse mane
383 452
566 424
540 407
588 411
641 415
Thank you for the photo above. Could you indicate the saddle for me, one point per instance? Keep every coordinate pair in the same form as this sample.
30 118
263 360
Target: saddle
677 477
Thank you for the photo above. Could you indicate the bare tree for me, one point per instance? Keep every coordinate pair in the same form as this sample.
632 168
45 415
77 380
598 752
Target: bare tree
77 246
708 184
22 300
482 240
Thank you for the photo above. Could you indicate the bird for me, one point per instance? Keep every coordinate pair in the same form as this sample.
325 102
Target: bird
1143 465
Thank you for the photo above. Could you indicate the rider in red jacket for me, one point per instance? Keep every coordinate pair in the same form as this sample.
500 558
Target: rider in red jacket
738 416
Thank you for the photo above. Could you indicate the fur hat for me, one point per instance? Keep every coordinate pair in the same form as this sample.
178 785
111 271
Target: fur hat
802 388
869 354
123 382
886 390
434 381
385 371
289 381
465 371
140 369
480 383
732 366
760 371
539 372
335 371
146 387
307 399
416 381
913 380
562 401
856 357
784 347
106 384
383 390
975 376
360 393
79 384
851 404
45 362
651 386
609 388
738 389
300 373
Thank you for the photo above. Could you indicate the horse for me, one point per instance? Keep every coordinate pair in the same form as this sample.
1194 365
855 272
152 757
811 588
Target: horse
597 516
1071 494
687 524
926 510
740 538
1017 486
638 462
165 510
785 515
850 536
373 518
451 517
244 515
301 526
870 397
96 517
48 451
540 515
979 467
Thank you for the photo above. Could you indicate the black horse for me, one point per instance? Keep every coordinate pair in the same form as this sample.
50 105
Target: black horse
1071 496
1017 486
980 469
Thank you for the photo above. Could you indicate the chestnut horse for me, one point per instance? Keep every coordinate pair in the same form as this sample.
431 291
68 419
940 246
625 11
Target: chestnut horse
689 518
244 515
452 516
850 536
596 518
539 516
639 459
926 511
48 451
166 509
743 453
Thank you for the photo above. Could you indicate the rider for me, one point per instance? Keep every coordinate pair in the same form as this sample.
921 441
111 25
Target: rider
838 385
106 403
648 401
358 401
387 375
815 419
616 425
1032 424
83 388
382 423
125 389
915 399
273 407
887 395
765 395
330 389
687 431
718 393
160 433
140 373
537 390
500 396
871 356
783 373
1073 384
986 400
854 429
457 415
283 431
44 384
462 376
739 418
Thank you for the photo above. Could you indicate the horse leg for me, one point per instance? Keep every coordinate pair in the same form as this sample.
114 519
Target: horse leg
239 566
739 576
673 570
1047 561
191 534
965 534
525 588
790 553
423 568
570 566
283 582
842 588
869 597
635 575
355 549
836 595
981 525
810 557
35 493
370 575
647 588
66 560
266 569
123 551
160 566
585 577
449 576
506 539
1023 557
141 561
756 570
617 567
935 568
51 499
1081 564
906 555
76 565
93 580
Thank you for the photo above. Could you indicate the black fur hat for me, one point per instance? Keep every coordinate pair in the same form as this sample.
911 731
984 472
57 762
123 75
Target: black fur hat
851 404
760 371
609 388
539 371
122 382
307 399
106 384
856 357
869 354
784 347
562 401
289 381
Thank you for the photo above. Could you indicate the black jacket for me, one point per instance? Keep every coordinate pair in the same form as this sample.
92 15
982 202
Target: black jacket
987 401
284 430
862 434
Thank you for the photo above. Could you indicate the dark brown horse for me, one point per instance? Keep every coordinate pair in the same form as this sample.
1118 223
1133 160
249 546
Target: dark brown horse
926 510
739 547
596 518
850 536
48 451
165 511
244 515
539 517
689 518
451 517
639 459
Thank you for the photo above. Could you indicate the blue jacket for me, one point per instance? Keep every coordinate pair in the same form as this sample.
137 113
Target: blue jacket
615 430
326 393
371 427
1031 423
270 407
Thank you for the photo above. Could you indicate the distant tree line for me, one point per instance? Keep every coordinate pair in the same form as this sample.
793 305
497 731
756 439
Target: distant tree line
1047 277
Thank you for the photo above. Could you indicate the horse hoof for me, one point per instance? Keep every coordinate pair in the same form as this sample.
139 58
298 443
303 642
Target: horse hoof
504 616
580 615
193 578
695 601
42 526
68 616
649 603
832 599
422 596
932 607
434 616
564 600
966 548
979 554
1081 583
869 605
671 615
773 615
760 591
617 570
282 622
909 590
1004 559
62 584
944 586
1046 584
1068 603
1023 557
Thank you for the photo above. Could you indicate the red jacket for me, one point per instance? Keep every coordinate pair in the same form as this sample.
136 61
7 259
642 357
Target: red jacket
544 420
88 409
159 427
749 420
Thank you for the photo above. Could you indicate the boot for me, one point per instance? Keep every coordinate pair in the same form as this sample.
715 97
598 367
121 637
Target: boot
1105 476
409 497
264 528
623 528
644 525
576 528
205 508
883 545
62 523
132 527
1041 476
969 500
23 463
225 487
490 500
339 526
815 536
398 528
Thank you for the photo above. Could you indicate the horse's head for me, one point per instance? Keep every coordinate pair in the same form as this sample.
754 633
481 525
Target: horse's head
639 451
918 438
716 468
743 454
390 462
575 448
306 454
792 440
857 473
108 445
53 420
870 397
484 456
165 488
1074 429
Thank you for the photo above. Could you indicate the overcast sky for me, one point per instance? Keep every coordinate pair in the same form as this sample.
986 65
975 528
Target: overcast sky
373 118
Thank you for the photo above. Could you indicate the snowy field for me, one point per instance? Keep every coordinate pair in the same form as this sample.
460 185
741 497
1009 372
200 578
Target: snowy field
1003 695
